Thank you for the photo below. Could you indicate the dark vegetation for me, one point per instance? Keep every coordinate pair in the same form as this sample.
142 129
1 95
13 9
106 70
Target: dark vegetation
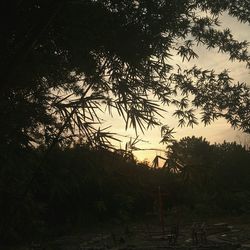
64 61
80 187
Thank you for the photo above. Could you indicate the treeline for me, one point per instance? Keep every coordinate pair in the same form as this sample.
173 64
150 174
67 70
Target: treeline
216 177
45 194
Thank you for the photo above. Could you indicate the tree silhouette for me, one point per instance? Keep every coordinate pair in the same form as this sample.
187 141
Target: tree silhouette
191 157
212 175
63 61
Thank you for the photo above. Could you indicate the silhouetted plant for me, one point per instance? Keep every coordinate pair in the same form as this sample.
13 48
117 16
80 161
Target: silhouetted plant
63 62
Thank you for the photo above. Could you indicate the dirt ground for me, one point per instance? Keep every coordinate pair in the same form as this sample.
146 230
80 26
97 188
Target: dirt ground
150 235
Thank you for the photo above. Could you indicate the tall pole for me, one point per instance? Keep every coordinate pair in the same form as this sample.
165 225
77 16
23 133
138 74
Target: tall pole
161 210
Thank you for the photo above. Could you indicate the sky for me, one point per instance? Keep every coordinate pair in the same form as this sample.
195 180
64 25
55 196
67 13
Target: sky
218 131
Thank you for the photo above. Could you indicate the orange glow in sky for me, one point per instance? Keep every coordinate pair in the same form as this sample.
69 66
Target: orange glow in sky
216 132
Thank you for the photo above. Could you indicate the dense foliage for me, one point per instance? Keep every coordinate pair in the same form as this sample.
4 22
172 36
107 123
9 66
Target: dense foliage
64 60
214 175
82 187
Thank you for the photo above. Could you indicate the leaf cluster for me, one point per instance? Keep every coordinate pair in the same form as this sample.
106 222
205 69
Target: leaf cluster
70 59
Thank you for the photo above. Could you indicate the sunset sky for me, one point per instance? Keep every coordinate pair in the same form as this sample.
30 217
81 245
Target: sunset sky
216 132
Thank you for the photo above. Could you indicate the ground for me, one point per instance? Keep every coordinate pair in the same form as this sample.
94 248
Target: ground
227 233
